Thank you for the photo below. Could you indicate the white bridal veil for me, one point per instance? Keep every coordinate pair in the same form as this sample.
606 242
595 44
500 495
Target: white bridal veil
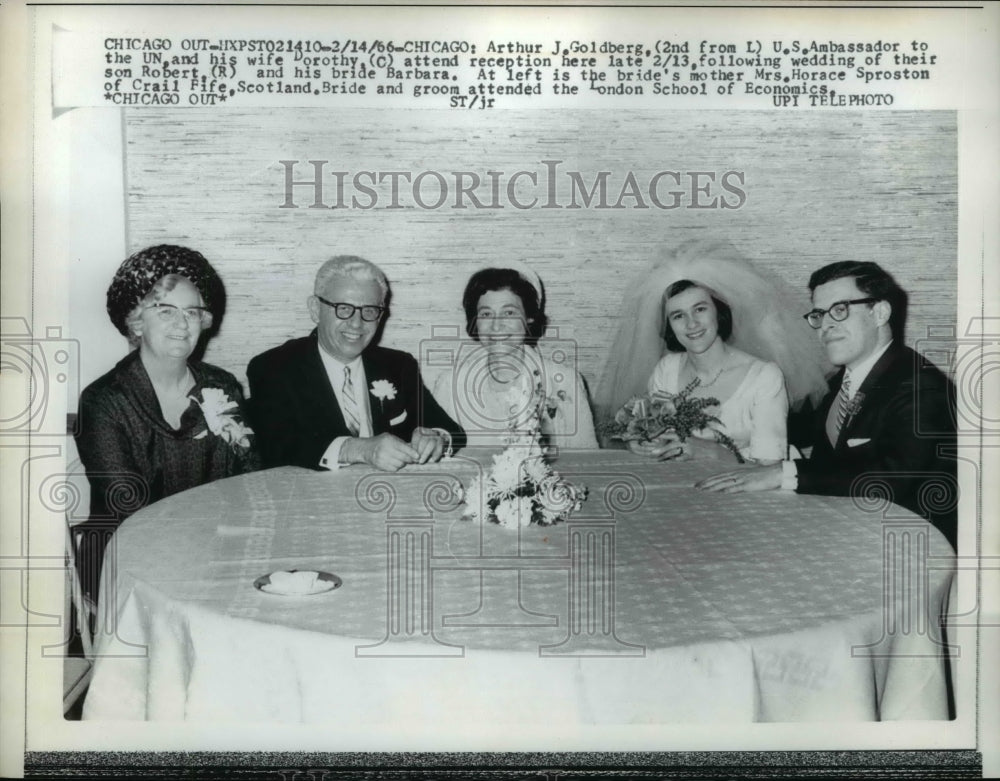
767 323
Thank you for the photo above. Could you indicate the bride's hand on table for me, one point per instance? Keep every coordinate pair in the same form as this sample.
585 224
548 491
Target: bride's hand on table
661 448
750 478
668 447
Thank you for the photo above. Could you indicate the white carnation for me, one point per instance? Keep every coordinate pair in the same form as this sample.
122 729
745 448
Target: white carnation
506 471
515 512
535 469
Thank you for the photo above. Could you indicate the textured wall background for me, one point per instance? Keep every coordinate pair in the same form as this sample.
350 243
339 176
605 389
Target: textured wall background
821 186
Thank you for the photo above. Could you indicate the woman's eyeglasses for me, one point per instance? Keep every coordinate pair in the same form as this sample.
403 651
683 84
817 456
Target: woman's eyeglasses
168 313
838 311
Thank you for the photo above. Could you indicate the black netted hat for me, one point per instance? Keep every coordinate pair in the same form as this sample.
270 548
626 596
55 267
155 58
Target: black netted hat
137 275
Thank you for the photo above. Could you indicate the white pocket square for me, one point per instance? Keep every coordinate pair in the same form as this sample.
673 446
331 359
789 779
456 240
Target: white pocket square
400 418
856 442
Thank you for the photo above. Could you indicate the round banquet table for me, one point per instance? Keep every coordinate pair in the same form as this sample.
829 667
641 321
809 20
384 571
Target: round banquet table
655 603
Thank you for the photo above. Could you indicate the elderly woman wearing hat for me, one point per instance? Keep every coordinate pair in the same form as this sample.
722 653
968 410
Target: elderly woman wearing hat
502 377
158 422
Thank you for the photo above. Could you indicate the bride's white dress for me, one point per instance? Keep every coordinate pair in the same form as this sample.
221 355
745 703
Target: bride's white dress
486 409
755 416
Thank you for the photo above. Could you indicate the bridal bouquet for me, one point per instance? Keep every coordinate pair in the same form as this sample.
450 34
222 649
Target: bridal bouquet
521 487
643 418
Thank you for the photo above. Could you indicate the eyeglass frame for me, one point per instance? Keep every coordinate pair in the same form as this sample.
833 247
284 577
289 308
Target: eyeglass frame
334 304
822 313
168 313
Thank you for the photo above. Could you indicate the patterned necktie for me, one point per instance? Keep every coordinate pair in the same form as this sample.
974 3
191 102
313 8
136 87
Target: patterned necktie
352 415
835 422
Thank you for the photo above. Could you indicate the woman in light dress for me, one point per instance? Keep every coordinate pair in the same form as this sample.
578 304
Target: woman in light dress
502 378
706 319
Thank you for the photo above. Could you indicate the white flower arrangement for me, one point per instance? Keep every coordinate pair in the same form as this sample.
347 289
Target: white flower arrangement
383 390
520 487
221 417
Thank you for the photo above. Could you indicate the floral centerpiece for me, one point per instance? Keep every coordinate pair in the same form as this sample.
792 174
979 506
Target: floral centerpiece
644 418
222 418
521 487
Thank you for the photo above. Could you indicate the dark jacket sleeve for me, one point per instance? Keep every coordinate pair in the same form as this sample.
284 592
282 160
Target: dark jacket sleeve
278 417
906 458
427 412
802 425
118 486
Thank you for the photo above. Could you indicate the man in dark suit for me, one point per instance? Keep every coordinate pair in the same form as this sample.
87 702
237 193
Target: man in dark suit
332 398
887 426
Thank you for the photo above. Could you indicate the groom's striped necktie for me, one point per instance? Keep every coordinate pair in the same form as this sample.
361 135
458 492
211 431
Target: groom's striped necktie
838 411
352 414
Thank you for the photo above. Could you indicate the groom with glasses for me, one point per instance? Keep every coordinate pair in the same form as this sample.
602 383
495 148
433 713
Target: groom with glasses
888 422
332 398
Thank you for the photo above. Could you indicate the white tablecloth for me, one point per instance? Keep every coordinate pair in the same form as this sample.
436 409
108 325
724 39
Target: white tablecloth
655 604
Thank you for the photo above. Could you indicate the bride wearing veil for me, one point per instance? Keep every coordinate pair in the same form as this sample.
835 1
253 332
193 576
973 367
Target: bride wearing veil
705 318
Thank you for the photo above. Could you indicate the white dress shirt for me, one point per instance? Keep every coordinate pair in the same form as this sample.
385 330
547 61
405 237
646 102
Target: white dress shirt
860 372
335 371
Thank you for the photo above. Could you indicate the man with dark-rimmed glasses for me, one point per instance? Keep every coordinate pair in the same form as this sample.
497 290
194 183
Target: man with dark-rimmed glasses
334 398
888 423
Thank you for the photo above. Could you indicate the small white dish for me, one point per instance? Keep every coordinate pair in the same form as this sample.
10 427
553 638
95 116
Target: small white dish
297 582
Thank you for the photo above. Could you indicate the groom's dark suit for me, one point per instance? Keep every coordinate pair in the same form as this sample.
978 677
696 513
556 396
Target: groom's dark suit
295 411
904 417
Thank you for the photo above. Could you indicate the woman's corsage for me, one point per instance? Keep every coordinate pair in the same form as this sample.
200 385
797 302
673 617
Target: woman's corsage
222 417
528 403
552 403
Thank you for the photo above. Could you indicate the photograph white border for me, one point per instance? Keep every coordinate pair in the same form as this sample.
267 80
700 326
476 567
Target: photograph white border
33 159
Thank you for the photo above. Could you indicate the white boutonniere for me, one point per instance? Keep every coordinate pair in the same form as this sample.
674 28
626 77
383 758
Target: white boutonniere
853 408
220 413
382 390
